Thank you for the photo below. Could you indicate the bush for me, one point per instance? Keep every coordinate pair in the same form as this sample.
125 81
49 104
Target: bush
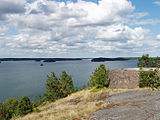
24 106
149 79
99 77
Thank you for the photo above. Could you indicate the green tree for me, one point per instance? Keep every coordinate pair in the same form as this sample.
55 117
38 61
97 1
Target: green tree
99 77
10 106
53 87
146 61
143 61
24 106
67 86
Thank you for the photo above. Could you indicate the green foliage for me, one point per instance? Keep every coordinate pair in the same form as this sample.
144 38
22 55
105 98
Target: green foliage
67 86
99 77
59 87
53 87
3 112
10 106
149 79
24 106
146 61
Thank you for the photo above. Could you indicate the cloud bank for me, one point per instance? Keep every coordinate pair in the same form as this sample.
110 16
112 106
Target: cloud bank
46 28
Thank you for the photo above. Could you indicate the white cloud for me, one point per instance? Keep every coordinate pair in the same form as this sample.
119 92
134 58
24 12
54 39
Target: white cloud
49 28
146 22
158 37
156 2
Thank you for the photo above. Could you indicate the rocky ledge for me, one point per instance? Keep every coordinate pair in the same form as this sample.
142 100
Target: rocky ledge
126 78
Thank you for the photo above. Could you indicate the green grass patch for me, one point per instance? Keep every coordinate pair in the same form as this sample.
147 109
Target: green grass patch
96 89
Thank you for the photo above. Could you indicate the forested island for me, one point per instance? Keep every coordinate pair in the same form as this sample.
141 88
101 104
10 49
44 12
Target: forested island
101 59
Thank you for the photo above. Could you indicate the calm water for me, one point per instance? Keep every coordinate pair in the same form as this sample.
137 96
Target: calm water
28 77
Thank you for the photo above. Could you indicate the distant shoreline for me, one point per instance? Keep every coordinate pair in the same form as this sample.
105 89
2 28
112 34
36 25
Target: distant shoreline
40 59
69 59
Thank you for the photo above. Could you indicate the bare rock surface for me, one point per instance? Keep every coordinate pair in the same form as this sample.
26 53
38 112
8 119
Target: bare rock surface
132 105
124 78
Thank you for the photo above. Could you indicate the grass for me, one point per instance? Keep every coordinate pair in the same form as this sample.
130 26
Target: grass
96 89
63 110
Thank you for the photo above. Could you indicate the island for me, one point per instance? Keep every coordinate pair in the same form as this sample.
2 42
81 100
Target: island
49 60
107 59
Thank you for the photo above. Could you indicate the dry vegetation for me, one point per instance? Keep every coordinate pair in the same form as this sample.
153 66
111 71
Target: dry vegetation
78 106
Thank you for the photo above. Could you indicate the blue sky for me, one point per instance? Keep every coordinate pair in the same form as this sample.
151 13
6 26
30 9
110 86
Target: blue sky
152 9
90 28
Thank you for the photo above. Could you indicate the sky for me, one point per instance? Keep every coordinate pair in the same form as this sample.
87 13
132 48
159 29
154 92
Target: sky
79 28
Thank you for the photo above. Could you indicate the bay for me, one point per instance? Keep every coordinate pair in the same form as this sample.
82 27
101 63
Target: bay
19 78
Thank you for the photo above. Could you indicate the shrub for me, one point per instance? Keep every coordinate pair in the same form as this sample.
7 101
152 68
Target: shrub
99 77
24 106
149 79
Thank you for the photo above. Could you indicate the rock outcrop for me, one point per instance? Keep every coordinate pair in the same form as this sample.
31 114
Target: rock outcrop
124 78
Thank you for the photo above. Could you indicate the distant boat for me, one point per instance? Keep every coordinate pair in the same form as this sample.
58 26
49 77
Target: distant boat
41 64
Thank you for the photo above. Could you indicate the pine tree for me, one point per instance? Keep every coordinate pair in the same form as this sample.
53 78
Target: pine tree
24 106
53 87
67 86
99 77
